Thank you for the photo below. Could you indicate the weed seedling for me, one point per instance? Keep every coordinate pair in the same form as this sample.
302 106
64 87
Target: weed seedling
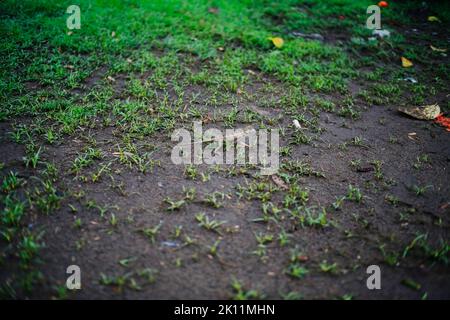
78 223
211 225
32 158
420 190
296 270
113 220
328 267
151 233
189 193
241 294
338 203
11 182
191 172
354 194
174 205
283 238
215 199
213 249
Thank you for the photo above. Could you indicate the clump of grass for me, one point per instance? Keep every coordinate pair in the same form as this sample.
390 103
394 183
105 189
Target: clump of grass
78 223
119 281
13 211
270 212
296 270
189 193
337 204
113 221
85 159
32 157
299 137
420 161
47 199
295 196
215 199
377 164
11 182
152 232
284 238
311 216
173 204
240 293
420 190
29 248
191 172
205 222
328 267
354 194
256 190
264 238
300 168
316 217
214 248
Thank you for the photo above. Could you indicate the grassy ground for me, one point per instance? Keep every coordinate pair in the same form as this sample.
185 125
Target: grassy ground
85 124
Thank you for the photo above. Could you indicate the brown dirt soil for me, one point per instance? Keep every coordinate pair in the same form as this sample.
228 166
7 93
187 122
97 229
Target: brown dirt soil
352 238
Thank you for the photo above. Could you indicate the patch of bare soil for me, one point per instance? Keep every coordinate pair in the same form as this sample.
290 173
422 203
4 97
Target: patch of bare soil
356 237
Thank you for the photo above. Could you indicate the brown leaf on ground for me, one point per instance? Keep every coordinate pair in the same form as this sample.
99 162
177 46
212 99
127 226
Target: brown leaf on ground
279 182
406 63
429 112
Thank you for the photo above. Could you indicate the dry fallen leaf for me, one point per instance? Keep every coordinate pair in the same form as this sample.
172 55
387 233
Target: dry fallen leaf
206 119
437 49
302 258
111 79
280 183
444 206
433 19
406 63
428 112
277 42
412 135
443 121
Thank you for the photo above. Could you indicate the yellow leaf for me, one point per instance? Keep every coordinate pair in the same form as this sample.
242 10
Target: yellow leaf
406 63
437 49
433 19
277 42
